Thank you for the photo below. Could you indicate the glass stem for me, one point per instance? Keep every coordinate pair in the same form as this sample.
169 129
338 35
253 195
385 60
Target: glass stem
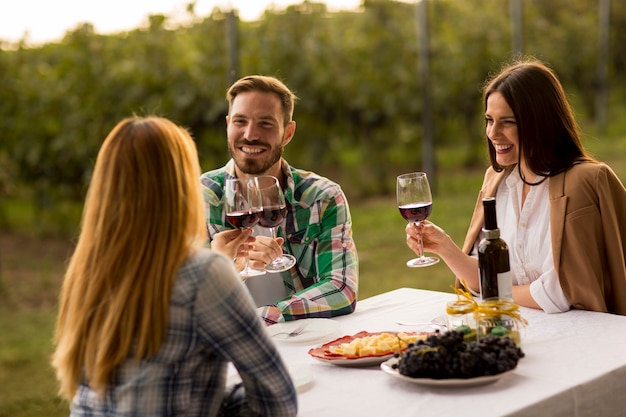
277 261
420 243
246 265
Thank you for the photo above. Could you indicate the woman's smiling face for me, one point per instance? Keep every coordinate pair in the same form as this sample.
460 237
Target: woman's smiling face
501 129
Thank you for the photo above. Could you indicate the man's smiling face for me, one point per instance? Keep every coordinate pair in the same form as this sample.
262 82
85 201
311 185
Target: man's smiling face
257 133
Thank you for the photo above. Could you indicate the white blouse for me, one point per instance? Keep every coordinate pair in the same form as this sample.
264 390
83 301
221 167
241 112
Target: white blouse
526 230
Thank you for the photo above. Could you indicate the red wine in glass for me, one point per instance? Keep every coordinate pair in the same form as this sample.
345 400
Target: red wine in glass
415 204
272 216
244 219
416 212
242 203
274 210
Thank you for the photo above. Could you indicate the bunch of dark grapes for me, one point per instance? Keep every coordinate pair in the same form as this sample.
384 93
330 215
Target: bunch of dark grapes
447 355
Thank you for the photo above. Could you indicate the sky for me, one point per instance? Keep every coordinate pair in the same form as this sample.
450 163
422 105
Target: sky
47 20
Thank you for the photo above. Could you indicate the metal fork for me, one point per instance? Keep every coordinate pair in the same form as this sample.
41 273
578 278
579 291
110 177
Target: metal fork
431 324
292 333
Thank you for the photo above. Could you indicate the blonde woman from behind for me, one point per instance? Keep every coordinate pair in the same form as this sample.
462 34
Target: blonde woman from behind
149 319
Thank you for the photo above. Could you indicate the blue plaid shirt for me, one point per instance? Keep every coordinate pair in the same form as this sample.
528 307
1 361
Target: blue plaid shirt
211 322
317 231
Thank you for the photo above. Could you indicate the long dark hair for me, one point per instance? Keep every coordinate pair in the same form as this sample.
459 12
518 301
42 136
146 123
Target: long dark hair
549 137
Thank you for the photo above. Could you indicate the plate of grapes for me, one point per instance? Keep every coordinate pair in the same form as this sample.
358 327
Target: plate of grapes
447 360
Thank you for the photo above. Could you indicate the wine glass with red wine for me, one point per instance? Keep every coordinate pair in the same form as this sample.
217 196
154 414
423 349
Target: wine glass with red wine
273 212
242 203
415 202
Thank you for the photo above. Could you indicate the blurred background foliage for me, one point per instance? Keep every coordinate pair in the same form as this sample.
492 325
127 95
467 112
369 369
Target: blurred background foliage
362 104
356 73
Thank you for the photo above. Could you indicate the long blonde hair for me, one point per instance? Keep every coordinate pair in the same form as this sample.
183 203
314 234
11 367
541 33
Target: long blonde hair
143 216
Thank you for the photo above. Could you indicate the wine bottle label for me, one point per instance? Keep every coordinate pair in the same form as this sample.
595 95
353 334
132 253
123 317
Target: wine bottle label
505 285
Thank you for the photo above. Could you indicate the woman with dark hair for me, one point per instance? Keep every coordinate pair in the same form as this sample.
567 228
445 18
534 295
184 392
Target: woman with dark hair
148 318
561 212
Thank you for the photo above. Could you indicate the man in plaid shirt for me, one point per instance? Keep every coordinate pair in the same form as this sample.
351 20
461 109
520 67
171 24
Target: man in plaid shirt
317 229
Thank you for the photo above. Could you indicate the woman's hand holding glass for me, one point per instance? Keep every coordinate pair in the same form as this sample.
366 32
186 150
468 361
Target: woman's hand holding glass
431 236
232 243
415 204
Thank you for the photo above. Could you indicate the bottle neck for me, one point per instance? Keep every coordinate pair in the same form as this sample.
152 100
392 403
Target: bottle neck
491 222
491 233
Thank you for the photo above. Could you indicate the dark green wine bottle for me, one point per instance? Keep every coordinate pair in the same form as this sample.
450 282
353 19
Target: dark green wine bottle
493 257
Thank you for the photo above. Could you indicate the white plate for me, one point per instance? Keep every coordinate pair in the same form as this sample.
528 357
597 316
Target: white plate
356 362
302 379
315 329
452 382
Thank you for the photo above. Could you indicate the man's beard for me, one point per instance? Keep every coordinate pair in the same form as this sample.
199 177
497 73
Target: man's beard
257 167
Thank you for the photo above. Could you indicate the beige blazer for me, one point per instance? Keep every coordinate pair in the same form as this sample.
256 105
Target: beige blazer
588 229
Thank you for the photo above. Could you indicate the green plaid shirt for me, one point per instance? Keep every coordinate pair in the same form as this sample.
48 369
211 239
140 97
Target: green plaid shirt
317 231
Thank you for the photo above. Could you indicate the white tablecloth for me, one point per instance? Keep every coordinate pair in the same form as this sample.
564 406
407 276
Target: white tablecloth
575 366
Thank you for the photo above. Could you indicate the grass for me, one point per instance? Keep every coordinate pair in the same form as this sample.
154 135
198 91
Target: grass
31 269
30 275
28 383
